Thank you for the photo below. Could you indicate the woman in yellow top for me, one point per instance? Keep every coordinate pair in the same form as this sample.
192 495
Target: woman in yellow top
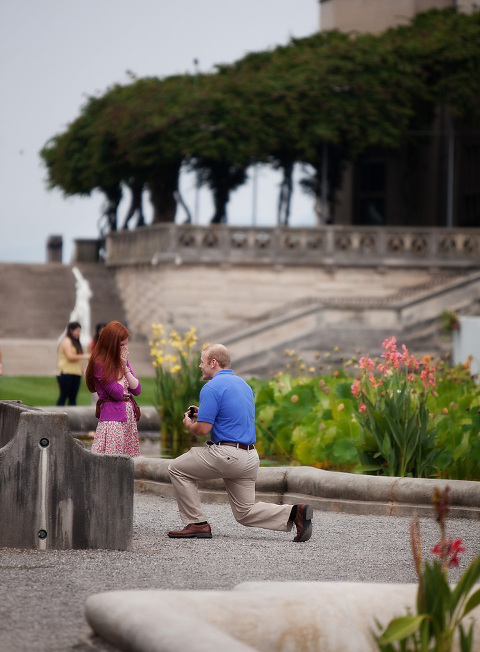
69 367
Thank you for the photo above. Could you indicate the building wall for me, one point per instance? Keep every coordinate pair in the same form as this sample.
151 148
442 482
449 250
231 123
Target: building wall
377 15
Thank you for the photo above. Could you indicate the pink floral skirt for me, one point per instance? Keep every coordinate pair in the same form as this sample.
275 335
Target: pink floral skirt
118 437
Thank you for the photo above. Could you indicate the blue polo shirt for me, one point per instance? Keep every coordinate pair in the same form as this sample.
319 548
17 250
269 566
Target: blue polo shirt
228 403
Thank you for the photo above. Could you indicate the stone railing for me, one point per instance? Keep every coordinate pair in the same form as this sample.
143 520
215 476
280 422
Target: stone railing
329 245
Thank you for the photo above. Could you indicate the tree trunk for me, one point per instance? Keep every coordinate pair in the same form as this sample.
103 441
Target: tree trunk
221 197
136 189
285 196
114 196
181 201
163 186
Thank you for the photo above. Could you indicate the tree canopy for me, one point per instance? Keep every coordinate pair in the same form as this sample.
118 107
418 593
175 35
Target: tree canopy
332 90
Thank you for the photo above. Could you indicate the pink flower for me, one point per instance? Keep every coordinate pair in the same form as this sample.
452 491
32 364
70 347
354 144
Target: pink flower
372 379
366 363
362 408
355 388
390 343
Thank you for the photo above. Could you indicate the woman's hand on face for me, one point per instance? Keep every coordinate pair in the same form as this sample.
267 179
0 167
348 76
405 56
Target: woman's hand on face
124 354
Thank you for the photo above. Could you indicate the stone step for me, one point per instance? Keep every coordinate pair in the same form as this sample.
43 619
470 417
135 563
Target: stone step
40 298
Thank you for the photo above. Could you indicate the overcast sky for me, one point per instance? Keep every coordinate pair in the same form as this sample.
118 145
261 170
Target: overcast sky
55 53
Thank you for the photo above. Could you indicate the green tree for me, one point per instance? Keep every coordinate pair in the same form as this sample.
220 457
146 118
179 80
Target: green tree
83 159
149 119
331 96
220 150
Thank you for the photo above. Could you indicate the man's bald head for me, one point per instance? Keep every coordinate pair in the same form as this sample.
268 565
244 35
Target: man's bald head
220 353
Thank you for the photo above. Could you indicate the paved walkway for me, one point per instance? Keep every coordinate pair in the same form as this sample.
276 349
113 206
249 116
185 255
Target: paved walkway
44 593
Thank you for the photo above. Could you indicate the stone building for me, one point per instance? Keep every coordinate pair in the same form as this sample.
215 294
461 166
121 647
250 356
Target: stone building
378 15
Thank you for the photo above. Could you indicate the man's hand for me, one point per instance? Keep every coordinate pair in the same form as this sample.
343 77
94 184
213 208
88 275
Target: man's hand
192 411
190 417
198 428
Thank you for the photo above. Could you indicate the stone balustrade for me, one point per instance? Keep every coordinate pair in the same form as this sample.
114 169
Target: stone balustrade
328 245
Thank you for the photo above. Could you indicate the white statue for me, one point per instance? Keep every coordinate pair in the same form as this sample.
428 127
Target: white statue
81 309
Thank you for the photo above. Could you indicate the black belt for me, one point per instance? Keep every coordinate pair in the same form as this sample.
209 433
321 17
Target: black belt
245 447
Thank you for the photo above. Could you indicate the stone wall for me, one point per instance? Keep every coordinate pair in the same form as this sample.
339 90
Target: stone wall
354 246
55 494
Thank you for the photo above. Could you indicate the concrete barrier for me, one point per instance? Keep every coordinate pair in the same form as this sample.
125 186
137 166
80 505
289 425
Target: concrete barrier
55 494
329 490
255 616
81 418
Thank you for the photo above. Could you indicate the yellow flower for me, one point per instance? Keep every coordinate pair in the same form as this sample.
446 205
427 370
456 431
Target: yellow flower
311 370
190 338
157 330
176 368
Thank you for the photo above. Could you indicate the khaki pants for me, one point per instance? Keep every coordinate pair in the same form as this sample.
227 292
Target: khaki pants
238 468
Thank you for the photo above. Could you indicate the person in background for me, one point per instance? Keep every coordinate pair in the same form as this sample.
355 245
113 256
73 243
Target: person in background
69 364
109 375
227 413
98 330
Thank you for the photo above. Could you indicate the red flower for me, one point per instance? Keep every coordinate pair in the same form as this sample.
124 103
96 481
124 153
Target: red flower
448 551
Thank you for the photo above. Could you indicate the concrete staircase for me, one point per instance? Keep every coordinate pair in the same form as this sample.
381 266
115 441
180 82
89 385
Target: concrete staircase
325 333
36 301
352 309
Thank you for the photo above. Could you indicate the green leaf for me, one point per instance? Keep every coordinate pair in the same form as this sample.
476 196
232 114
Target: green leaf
473 601
466 582
401 628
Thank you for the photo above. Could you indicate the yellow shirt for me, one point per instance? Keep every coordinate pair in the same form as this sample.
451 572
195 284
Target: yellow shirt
66 366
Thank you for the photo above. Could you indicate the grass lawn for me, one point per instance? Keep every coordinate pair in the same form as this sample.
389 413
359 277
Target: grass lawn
43 390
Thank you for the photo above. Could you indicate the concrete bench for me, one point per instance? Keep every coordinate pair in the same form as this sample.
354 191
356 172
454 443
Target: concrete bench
55 494
255 617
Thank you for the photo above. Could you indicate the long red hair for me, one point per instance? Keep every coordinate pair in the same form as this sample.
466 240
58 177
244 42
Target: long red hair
107 354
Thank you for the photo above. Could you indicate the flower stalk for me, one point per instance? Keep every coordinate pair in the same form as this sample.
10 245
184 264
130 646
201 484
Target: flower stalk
441 608
178 384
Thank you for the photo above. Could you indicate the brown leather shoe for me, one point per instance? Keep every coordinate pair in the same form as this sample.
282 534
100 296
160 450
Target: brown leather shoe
191 531
303 522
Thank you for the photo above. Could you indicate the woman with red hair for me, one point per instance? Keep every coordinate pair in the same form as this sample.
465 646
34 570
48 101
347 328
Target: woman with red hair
109 375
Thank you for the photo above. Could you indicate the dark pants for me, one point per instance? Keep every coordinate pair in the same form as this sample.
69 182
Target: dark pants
69 385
